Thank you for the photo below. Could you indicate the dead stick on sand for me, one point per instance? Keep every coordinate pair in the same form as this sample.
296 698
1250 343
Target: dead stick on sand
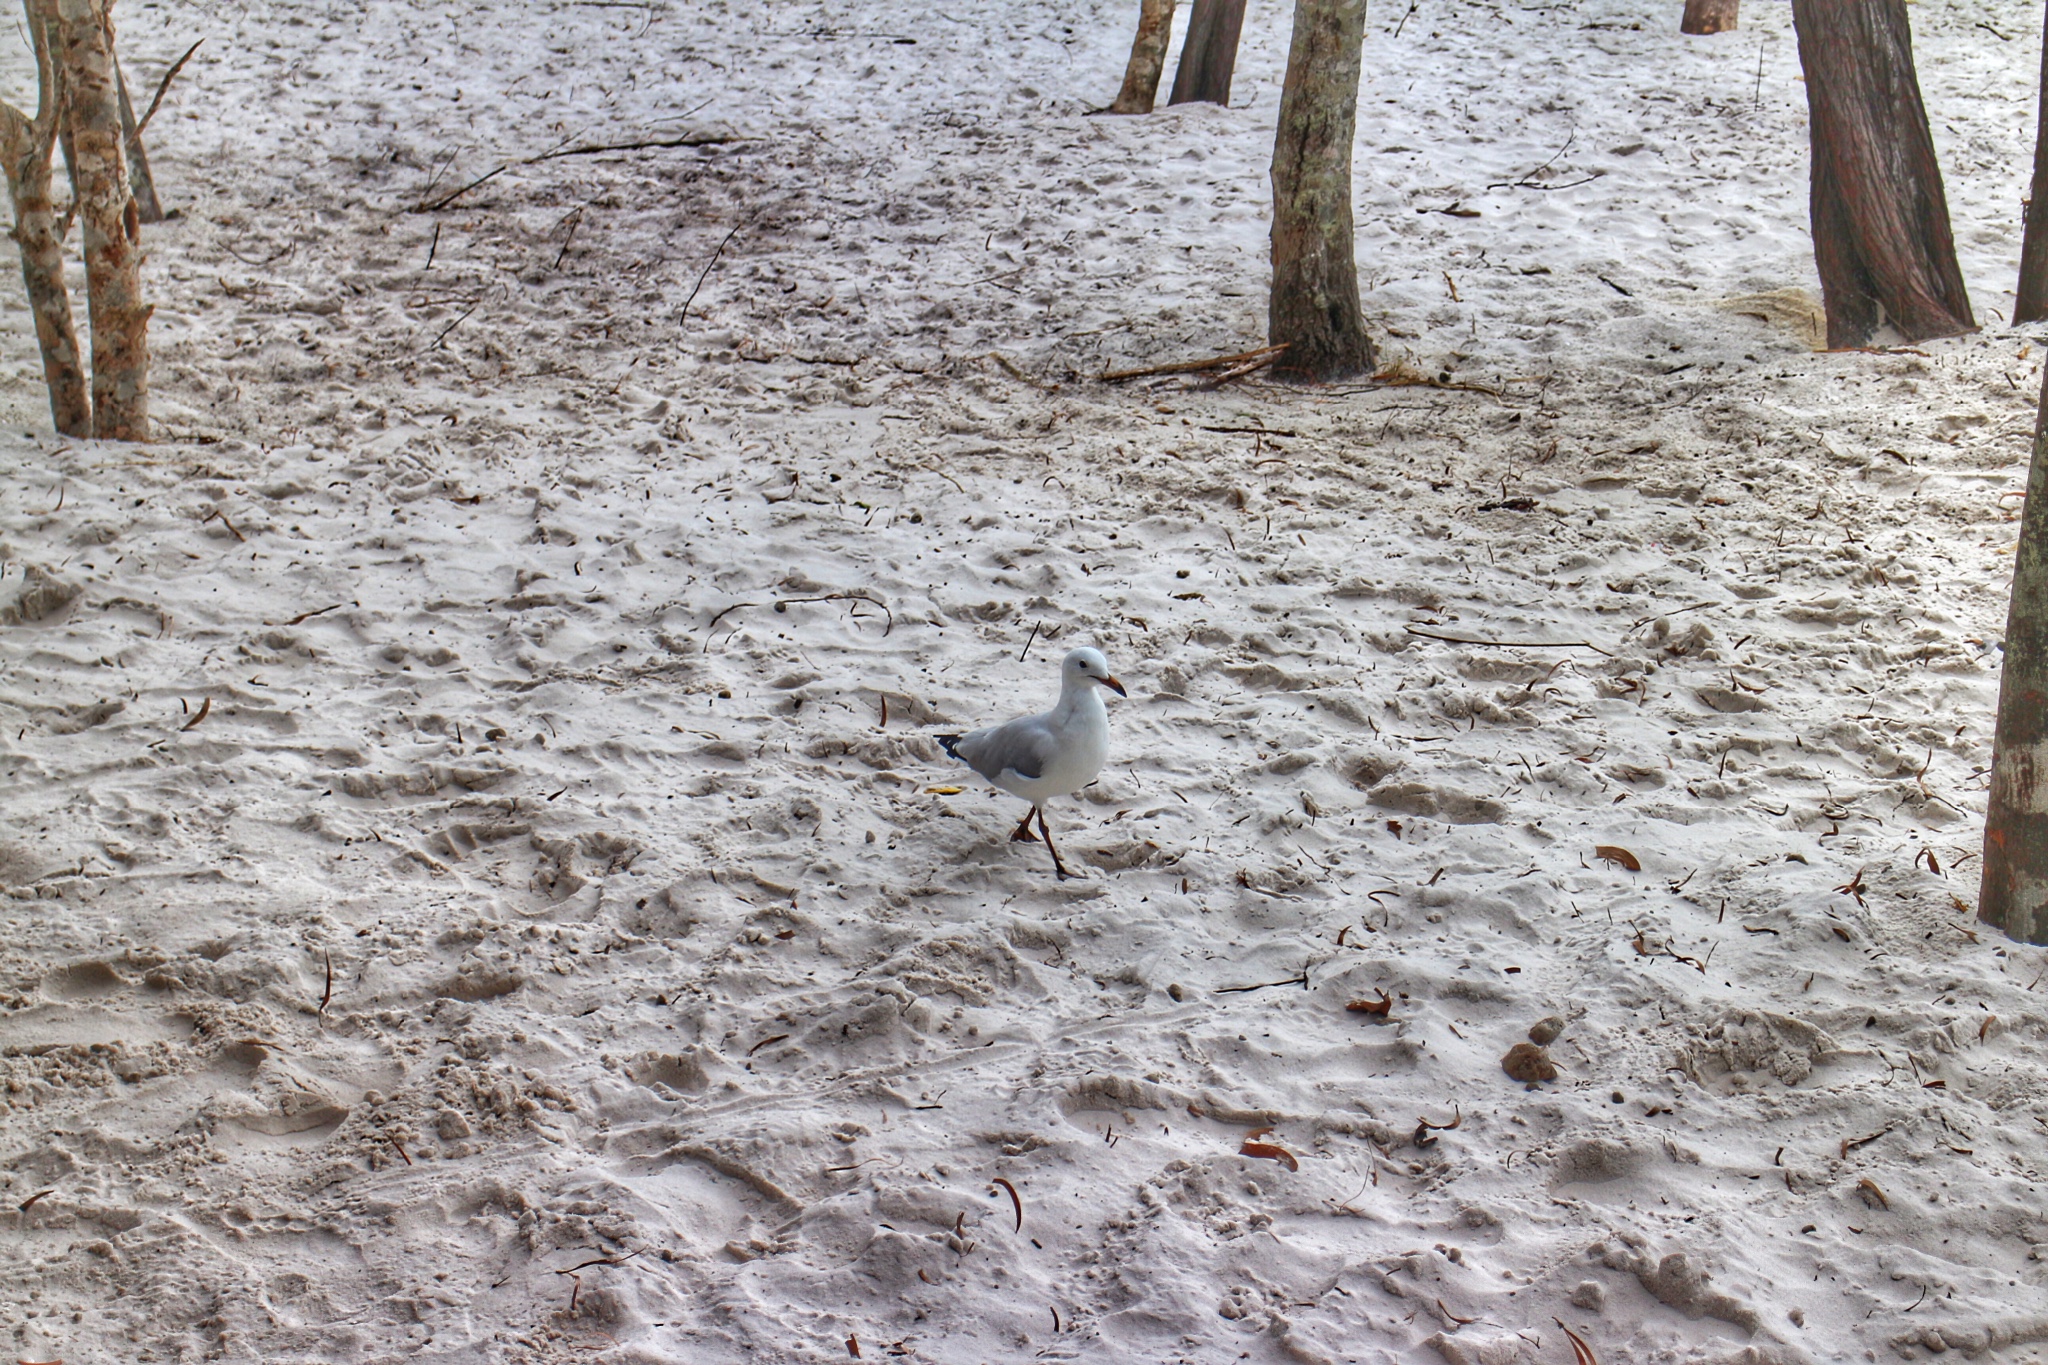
1190 366
705 275
1239 371
163 87
445 200
1510 644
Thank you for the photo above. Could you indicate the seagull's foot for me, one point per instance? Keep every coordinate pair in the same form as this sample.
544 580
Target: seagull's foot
1059 870
1022 834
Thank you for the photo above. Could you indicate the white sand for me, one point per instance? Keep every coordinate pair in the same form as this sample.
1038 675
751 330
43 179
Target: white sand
546 636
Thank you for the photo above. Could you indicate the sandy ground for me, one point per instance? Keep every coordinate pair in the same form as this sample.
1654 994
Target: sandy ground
479 883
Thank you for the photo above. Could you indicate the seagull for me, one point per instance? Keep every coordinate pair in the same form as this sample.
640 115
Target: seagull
1040 757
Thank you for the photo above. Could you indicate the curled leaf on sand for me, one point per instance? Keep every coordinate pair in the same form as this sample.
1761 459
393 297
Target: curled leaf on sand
1613 853
1382 1006
1582 1354
1271 1151
1016 1200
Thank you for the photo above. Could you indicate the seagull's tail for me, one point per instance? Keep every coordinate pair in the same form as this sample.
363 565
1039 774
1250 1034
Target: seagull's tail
947 742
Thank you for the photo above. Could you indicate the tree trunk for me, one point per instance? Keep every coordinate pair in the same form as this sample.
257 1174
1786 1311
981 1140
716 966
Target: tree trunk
2014 891
1314 309
26 146
140 182
112 229
1709 16
1880 220
1148 58
2033 300
1209 56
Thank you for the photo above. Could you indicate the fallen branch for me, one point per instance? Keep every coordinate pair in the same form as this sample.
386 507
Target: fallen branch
1238 371
1301 981
163 88
1191 366
445 200
782 605
706 274
1508 644
645 144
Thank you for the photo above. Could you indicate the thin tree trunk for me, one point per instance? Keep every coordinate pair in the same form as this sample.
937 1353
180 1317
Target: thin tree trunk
2014 891
111 225
1709 16
2033 300
1148 58
140 182
26 146
1880 219
1209 56
1314 310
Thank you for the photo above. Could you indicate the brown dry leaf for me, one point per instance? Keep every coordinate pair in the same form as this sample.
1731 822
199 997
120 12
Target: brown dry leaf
1381 1006
1271 1152
1985 1027
1528 1062
1016 1200
1872 1195
1613 854
944 791
1582 1354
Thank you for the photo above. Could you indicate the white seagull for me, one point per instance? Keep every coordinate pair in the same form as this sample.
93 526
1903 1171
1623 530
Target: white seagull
1040 757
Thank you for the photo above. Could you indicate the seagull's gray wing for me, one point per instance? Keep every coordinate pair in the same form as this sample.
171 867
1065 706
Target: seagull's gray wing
1023 746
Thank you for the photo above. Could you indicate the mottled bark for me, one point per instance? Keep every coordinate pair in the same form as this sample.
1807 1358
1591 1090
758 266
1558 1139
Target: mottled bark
2013 893
2033 293
1314 309
1148 58
110 223
1881 234
1209 56
1709 16
26 145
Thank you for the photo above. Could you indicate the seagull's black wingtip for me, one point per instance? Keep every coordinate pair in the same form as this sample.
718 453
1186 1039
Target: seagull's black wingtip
947 742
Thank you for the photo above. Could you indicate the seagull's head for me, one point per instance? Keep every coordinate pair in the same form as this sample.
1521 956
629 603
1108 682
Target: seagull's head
1088 666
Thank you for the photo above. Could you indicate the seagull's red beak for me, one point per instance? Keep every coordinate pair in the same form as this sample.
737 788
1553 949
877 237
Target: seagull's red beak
1113 685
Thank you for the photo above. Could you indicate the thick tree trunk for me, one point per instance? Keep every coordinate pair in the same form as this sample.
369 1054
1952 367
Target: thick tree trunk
1314 309
1880 219
1148 58
2033 300
111 225
26 146
1209 55
2014 891
1709 16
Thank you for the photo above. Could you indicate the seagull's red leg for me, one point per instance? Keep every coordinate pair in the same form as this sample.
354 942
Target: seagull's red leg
1058 867
1022 834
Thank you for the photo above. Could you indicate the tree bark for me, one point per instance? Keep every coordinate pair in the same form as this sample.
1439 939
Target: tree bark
1709 16
1148 58
26 146
2033 293
1880 219
1209 56
1314 309
111 225
2014 891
